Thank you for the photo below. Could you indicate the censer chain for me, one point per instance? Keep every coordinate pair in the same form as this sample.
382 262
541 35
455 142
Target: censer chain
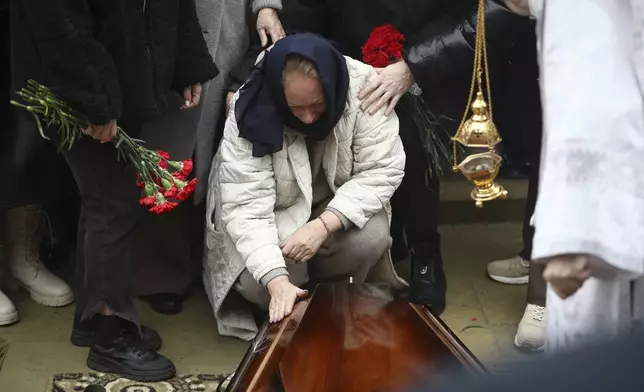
480 53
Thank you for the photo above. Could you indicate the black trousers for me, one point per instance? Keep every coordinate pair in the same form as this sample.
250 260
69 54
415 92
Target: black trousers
536 284
415 204
109 214
521 126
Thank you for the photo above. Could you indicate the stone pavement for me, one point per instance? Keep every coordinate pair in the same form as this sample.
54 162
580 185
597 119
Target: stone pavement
481 312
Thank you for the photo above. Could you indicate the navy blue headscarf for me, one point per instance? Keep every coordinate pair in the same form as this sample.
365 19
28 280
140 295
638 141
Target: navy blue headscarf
261 109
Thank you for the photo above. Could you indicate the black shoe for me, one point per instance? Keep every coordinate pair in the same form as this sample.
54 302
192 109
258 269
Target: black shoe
118 351
165 303
84 335
428 283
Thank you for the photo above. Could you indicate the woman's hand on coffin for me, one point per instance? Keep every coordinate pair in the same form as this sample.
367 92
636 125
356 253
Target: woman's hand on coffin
567 273
192 95
105 132
268 23
302 245
386 88
283 296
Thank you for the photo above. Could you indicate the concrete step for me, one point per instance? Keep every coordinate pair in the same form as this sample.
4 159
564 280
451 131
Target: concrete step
457 207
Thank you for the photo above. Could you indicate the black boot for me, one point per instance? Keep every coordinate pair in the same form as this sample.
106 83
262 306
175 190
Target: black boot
84 334
428 282
119 351
165 303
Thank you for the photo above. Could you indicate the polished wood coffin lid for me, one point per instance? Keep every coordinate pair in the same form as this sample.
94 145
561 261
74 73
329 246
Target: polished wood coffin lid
353 338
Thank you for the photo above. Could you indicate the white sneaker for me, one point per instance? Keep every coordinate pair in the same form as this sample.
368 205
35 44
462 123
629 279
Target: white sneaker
509 271
531 334
24 261
8 312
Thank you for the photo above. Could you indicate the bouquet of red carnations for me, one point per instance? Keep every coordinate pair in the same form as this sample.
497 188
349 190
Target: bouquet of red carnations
160 179
384 47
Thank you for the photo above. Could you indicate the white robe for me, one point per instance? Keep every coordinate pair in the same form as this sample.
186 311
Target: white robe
591 197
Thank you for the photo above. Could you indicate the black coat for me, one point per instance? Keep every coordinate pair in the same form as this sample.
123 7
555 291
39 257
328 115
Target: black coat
440 57
111 59
440 37
118 59
349 22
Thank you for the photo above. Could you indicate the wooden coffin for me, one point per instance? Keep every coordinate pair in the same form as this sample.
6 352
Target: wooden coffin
353 338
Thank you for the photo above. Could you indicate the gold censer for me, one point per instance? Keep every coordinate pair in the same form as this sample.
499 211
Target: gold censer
478 134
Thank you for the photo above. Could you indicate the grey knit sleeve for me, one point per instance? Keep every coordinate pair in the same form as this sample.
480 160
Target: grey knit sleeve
272 274
257 5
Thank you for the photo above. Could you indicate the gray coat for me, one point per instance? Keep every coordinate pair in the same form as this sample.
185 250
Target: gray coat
225 26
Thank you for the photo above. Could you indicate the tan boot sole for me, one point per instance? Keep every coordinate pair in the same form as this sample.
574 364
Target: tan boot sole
51 302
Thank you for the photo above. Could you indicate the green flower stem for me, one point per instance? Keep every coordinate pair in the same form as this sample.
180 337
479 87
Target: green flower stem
49 111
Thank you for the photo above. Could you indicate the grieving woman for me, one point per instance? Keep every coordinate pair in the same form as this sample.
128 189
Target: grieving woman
300 186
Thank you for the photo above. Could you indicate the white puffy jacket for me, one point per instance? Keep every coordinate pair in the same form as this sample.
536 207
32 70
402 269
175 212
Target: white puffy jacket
255 203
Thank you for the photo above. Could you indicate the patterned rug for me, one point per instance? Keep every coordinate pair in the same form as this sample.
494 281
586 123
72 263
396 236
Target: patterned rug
77 382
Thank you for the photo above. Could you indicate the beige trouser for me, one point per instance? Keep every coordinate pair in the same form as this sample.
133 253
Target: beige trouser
345 254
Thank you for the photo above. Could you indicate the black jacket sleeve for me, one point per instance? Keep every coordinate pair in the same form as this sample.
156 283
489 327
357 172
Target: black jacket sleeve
297 16
194 64
75 65
445 47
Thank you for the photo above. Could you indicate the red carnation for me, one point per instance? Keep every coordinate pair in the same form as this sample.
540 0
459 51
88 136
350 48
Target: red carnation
186 167
172 192
186 191
147 201
377 59
163 159
395 50
385 44
163 207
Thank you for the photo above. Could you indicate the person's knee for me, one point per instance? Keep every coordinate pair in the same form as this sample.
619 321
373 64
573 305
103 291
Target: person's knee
252 291
366 246
355 252
373 241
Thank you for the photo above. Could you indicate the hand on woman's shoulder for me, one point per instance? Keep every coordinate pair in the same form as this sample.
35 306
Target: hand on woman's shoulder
359 75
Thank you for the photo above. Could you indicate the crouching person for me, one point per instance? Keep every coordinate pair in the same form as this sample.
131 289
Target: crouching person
300 185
